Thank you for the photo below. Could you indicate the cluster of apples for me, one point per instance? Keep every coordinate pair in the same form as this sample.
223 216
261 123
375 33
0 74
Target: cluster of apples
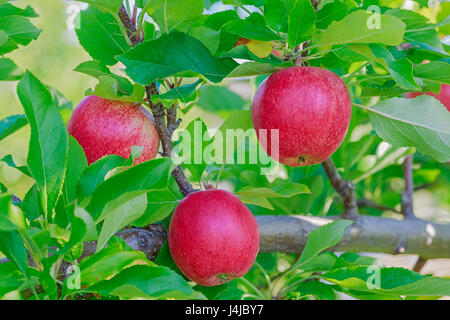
213 236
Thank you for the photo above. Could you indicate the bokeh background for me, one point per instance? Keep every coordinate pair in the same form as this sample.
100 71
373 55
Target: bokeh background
56 53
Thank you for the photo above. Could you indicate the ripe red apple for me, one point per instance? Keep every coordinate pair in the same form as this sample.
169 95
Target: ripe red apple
310 107
104 127
213 237
443 96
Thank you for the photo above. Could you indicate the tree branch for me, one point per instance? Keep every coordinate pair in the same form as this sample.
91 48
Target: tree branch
407 195
165 129
129 25
288 234
370 204
159 113
346 189
419 264
369 234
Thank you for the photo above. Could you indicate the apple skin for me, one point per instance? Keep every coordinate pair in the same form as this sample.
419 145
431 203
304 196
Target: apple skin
310 107
213 237
105 127
443 96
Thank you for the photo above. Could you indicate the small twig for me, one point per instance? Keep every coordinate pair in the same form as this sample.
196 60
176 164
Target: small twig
315 3
419 264
129 25
407 195
346 189
370 204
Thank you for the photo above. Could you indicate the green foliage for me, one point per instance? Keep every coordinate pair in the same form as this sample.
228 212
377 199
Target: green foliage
401 122
153 60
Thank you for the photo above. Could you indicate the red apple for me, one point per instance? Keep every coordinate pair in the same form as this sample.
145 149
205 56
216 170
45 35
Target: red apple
443 96
104 127
310 107
213 237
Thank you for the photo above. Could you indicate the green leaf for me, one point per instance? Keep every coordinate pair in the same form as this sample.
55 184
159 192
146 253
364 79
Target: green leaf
120 217
10 10
109 262
78 227
216 98
402 72
6 214
100 35
251 28
321 239
161 204
209 37
95 174
8 46
185 94
10 278
319 290
421 122
417 28
302 20
97 70
9 70
354 29
195 131
12 124
111 6
12 246
444 15
218 19
250 69
175 54
434 71
3 37
260 196
174 14
76 164
8 159
237 122
392 281
147 282
108 88
140 179
285 190
19 29
47 155
276 15
31 205
331 11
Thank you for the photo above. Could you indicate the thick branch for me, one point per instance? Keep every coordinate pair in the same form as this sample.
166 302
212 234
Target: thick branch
346 189
288 234
369 234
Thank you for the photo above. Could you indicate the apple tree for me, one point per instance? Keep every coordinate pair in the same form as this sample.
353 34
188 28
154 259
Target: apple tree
95 223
